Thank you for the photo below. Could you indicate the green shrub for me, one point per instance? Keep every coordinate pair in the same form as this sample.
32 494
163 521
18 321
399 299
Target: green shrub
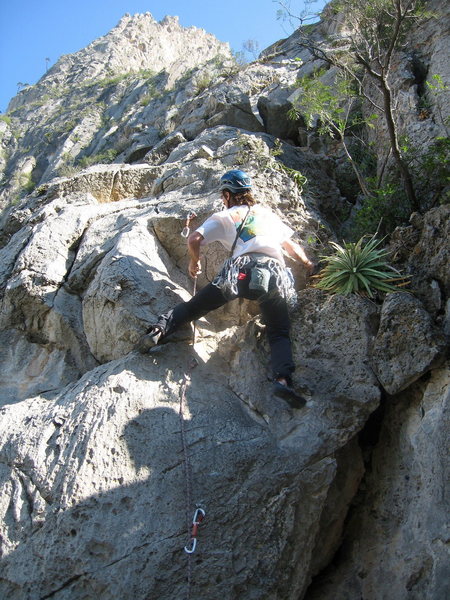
255 149
67 170
358 269
27 184
113 80
432 173
382 212
152 94
101 158
202 83
67 167
299 179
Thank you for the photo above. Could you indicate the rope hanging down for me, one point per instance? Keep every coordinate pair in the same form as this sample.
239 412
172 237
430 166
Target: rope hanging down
199 514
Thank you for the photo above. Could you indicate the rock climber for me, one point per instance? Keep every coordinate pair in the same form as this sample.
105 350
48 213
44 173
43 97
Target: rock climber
256 238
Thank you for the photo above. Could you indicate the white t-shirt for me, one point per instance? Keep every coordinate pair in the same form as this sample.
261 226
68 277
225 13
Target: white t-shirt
263 231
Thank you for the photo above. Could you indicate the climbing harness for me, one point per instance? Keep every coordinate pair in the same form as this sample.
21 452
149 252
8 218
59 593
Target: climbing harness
199 514
229 275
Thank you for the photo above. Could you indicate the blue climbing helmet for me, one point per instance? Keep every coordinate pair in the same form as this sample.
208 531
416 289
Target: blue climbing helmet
235 181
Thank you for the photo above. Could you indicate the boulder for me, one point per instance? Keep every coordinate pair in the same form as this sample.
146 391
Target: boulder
332 367
273 108
420 249
161 151
407 344
224 105
107 183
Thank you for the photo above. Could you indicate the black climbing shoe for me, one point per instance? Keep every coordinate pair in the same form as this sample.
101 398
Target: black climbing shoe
149 340
289 394
181 334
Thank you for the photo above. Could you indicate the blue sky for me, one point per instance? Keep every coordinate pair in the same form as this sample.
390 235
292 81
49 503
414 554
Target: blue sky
33 30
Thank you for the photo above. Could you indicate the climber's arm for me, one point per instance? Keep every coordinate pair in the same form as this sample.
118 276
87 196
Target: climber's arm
194 241
296 252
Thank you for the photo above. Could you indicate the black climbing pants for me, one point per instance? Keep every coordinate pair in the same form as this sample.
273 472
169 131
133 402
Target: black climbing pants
274 313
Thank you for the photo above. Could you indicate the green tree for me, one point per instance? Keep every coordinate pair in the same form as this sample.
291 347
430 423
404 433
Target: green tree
286 13
334 108
375 32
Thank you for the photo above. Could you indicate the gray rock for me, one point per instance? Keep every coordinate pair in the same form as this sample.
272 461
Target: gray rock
32 368
423 252
125 83
407 344
93 494
126 426
225 105
395 544
132 285
107 183
98 280
161 151
137 42
273 108
330 351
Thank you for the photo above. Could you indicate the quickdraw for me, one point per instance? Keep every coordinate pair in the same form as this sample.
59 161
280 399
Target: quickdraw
199 516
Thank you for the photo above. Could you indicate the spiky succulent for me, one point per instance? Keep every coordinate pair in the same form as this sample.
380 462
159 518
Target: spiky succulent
358 268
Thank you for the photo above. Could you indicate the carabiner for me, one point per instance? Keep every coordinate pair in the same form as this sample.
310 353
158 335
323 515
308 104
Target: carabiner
197 518
186 231
191 550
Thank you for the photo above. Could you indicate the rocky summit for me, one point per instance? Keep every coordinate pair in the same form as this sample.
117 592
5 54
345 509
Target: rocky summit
105 454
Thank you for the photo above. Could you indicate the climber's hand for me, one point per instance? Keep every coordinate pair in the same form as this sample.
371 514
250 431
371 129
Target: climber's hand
195 268
313 268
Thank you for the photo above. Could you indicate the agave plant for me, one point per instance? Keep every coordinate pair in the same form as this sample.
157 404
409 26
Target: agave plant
358 269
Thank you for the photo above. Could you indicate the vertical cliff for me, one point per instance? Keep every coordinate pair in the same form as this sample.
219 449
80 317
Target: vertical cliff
102 161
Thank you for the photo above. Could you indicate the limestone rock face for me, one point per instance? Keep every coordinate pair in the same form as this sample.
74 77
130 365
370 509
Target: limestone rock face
137 43
102 532
100 458
386 553
105 453
82 280
332 368
426 59
422 247
407 344
118 94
